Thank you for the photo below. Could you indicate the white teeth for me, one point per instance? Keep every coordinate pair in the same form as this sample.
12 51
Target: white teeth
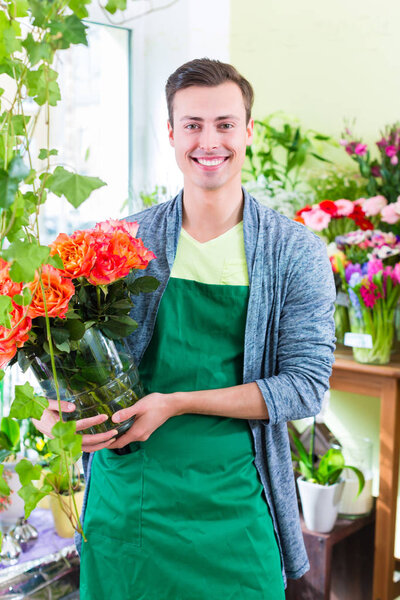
210 163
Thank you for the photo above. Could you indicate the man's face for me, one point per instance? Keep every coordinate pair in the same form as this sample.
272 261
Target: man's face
210 134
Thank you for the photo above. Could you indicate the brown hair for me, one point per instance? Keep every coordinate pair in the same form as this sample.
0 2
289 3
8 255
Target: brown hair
209 73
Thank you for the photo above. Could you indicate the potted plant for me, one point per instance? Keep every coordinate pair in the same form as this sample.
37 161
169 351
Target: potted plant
320 486
61 504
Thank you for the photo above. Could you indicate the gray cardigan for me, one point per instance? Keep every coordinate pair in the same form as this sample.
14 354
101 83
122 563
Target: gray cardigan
289 340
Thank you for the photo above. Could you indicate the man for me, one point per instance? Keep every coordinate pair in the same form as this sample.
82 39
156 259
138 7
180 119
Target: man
197 500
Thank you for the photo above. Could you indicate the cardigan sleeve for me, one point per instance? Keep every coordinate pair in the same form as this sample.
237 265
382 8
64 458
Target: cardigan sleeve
306 339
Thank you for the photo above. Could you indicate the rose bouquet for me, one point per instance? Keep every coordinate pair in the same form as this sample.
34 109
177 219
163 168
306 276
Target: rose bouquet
373 287
88 304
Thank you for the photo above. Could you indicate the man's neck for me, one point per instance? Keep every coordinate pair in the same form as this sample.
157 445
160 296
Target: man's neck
210 213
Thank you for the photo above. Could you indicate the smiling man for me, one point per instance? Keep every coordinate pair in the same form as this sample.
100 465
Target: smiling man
197 500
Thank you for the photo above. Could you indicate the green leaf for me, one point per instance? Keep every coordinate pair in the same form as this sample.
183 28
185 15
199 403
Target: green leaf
360 477
55 261
69 31
37 51
26 403
9 180
44 153
26 258
143 284
5 442
31 495
18 124
23 299
18 8
76 329
119 326
10 428
66 439
1 375
63 347
10 32
113 5
75 188
6 308
27 471
79 8
4 489
42 85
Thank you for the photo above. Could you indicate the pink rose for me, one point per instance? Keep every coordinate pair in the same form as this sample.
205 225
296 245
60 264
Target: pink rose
373 206
360 149
391 151
113 225
344 207
394 160
391 213
316 219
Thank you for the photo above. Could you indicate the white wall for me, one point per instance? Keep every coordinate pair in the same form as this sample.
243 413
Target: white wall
162 41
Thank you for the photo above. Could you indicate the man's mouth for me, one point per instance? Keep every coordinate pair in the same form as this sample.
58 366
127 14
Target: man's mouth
210 162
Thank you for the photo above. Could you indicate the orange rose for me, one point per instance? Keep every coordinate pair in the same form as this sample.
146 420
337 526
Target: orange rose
111 225
8 287
15 337
76 252
132 249
58 292
144 253
108 268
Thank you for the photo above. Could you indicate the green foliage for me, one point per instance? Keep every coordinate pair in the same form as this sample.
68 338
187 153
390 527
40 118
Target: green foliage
280 150
27 56
26 403
335 184
75 188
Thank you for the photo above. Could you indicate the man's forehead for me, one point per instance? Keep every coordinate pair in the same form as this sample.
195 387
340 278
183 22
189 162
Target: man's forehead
216 102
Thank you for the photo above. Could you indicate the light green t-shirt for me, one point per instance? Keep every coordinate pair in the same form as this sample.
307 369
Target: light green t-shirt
220 261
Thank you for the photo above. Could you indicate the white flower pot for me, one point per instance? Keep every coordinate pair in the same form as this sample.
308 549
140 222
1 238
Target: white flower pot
320 504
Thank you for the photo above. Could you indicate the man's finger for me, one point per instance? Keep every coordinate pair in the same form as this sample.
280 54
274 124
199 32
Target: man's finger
65 406
96 438
124 414
90 422
98 446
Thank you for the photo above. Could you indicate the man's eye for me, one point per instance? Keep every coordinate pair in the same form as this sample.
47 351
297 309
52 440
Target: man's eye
226 125
191 126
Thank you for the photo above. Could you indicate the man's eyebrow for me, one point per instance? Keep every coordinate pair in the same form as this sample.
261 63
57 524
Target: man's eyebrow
200 119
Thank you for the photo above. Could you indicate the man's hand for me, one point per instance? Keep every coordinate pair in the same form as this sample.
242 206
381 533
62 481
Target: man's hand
90 442
150 412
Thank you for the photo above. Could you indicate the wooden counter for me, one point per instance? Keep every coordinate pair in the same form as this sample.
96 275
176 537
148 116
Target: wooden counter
383 382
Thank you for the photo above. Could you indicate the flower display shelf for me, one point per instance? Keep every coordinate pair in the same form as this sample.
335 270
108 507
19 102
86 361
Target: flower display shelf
384 383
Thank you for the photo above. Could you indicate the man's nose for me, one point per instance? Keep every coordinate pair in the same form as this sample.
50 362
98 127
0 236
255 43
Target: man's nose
208 139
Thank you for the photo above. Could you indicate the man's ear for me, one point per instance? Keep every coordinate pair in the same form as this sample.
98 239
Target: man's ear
171 134
249 132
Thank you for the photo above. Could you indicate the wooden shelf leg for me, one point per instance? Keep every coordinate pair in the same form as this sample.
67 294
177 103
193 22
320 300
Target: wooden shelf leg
384 561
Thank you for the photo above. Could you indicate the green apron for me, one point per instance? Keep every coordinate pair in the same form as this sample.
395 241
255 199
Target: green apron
183 516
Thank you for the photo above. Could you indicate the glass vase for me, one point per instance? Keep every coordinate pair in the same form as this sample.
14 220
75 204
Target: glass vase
341 316
374 329
99 377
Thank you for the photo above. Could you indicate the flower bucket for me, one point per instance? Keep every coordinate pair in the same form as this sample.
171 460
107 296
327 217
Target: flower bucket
372 334
341 316
320 504
99 377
